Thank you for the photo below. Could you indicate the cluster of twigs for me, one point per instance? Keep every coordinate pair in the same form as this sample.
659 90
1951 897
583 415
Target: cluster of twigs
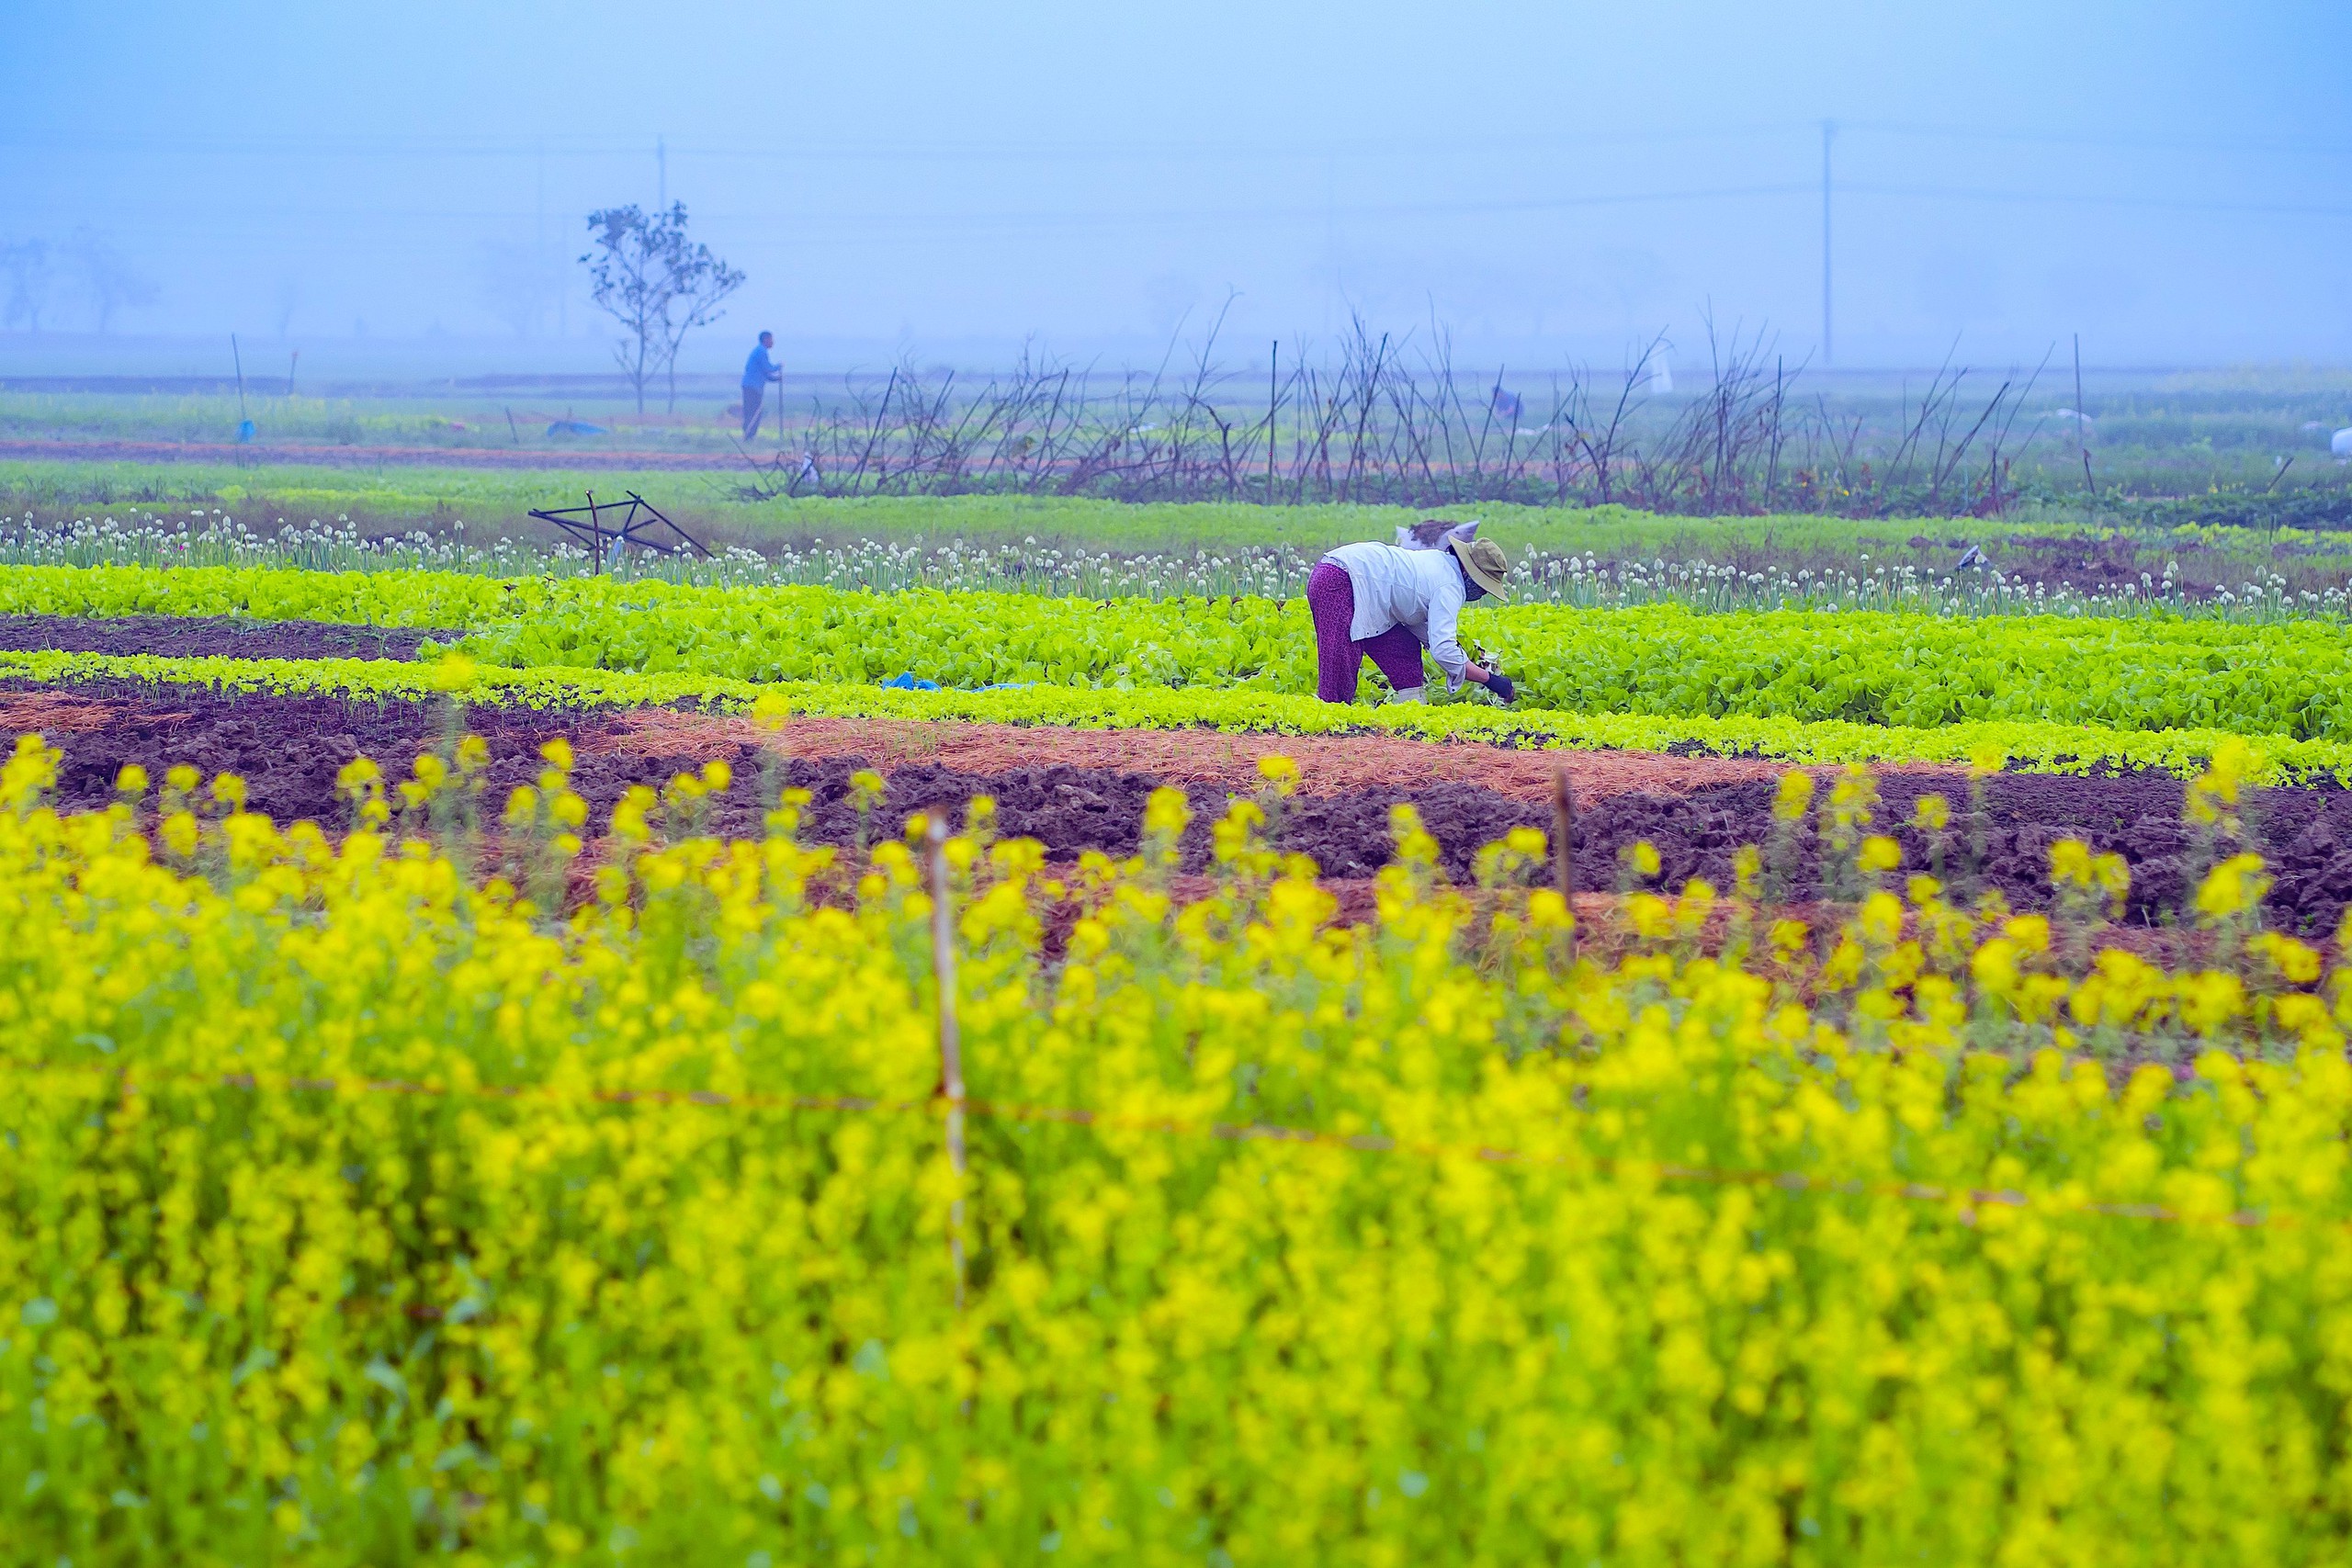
1381 422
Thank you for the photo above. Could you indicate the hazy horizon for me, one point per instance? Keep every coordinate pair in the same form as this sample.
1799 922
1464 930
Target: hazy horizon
2169 181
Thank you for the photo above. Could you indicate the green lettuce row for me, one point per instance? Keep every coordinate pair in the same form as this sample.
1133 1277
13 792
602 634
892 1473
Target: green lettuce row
2030 747
1872 667
266 594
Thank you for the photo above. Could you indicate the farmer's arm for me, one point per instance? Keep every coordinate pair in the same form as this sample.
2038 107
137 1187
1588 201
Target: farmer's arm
1445 612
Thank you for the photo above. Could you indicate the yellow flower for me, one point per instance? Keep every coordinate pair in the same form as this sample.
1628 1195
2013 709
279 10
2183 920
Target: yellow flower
1792 797
770 710
2030 933
2231 888
1279 774
2295 962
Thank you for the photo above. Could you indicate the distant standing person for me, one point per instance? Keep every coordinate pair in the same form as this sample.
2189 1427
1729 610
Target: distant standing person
758 371
1387 603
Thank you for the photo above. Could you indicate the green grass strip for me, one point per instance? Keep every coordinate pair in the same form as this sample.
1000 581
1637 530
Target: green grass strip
2028 746
408 494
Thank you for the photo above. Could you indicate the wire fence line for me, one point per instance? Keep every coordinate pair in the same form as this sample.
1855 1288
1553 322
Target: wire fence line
1966 1201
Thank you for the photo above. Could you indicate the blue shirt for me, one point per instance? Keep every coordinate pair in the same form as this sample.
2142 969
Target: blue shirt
759 371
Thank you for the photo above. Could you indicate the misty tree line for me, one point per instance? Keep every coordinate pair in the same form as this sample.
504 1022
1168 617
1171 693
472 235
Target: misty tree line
1381 421
1382 418
42 279
1385 419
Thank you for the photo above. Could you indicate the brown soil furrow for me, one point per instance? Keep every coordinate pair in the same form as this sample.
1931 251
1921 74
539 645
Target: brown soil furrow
1329 764
209 637
1074 791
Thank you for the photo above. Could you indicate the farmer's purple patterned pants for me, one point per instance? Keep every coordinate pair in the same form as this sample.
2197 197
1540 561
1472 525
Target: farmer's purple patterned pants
1338 656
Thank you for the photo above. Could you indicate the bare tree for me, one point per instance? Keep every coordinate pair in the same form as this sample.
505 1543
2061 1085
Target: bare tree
108 283
289 301
25 262
521 285
1599 440
658 284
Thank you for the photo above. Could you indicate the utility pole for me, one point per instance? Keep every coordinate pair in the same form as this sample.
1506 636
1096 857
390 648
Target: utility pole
2082 434
1332 287
662 174
1828 134
539 252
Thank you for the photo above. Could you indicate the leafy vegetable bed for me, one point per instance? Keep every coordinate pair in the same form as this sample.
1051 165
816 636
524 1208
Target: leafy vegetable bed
1868 667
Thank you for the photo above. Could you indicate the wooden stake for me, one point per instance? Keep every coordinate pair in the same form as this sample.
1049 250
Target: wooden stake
1563 849
1273 408
951 1044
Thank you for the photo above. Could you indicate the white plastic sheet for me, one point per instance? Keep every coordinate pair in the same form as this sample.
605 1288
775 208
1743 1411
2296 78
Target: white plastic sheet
1432 535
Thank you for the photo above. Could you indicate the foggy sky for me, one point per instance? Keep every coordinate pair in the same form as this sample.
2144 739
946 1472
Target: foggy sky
2171 181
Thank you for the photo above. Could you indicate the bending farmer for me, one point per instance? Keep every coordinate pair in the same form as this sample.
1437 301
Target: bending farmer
1386 604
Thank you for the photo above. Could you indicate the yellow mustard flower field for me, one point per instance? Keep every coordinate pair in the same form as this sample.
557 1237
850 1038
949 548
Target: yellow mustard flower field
517 1186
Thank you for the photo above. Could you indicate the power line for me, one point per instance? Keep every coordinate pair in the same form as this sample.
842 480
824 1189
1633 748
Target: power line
2070 198
813 151
606 144
1828 135
1296 214
197 216
2079 139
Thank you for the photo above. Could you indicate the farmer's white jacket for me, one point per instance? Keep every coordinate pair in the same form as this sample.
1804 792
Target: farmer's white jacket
1420 590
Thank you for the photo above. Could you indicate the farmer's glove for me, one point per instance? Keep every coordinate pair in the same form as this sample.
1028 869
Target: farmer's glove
1500 684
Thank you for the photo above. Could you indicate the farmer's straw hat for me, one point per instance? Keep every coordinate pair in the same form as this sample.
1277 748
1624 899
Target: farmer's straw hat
1483 560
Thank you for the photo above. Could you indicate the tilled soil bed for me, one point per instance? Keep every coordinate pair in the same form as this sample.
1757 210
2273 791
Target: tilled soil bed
1076 790
209 637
